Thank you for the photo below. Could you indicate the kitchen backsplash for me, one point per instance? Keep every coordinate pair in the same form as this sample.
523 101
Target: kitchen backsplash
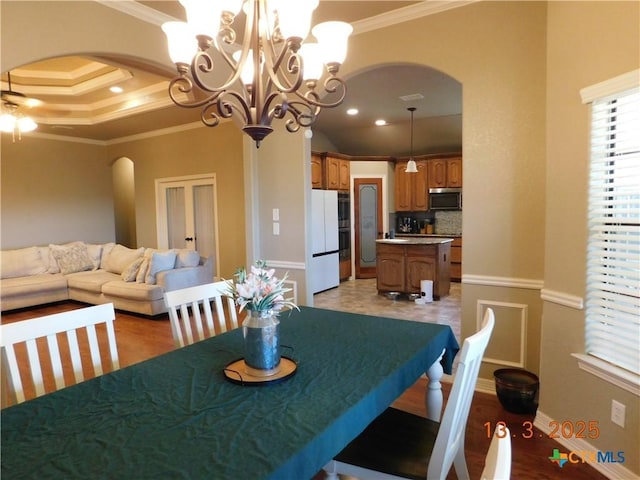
448 222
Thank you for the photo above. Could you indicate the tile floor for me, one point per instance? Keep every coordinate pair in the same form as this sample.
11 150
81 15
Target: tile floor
361 296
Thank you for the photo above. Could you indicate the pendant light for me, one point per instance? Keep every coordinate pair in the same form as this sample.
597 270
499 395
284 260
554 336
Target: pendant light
411 164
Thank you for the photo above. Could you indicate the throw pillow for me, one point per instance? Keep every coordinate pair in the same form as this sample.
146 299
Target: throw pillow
142 271
120 257
47 258
72 258
21 262
106 250
160 261
187 258
95 252
129 274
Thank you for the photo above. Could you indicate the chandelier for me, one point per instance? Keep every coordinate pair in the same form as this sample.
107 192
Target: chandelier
12 121
274 73
411 164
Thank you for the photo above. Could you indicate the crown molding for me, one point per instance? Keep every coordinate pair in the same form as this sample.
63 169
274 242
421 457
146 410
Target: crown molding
393 17
406 14
139 11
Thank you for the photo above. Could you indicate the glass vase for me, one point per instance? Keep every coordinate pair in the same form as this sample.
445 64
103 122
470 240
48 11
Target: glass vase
261 331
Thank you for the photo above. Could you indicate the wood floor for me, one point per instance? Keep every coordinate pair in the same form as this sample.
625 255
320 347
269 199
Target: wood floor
140 338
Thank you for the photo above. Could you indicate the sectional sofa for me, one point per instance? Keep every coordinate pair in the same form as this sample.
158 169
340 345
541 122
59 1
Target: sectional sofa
133 280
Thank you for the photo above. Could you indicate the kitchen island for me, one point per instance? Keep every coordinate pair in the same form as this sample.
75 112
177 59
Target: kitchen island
403 262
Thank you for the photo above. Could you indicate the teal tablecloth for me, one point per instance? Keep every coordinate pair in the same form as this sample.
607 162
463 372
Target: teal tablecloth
176 416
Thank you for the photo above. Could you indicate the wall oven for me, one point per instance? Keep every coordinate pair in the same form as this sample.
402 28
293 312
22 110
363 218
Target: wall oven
344 226
445 199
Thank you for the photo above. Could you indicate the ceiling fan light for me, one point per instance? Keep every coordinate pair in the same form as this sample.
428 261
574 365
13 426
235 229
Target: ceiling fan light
333 38
182 45
26 124
7 123
411 166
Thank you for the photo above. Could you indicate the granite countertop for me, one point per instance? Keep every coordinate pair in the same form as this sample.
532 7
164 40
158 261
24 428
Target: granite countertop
412 235
416 240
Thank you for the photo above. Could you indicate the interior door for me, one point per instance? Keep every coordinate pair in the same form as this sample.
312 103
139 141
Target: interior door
187 214
367 207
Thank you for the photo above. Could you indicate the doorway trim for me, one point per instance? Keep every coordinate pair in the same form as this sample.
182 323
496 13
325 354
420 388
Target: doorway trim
161 210
385 210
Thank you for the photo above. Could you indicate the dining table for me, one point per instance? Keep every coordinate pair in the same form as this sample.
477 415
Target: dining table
181 415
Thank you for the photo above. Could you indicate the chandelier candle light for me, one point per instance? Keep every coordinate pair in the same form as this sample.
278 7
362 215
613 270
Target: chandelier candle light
273 73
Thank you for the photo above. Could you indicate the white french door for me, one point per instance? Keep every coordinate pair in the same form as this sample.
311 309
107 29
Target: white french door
186 213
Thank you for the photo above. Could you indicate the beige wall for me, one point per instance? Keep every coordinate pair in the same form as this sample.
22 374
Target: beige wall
587 43
201 150
525 140
124 199
497 51
43 202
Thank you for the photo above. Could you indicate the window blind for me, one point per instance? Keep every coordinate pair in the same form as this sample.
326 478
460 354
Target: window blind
613 254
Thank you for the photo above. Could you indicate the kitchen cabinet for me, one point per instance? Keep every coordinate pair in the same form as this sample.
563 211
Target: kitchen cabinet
402 264
411 188
456 259
337 173
445 172
344 176
317 171
390 271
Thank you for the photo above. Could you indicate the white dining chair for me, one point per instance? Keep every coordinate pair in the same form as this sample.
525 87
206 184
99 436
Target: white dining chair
190 309
27 332
498 461
400 445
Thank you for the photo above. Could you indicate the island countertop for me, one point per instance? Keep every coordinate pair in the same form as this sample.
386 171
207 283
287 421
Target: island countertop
415 240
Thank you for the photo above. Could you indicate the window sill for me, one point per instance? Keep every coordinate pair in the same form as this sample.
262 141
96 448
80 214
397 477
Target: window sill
610 373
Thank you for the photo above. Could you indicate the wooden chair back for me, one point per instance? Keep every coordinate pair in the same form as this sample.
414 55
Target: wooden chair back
48 327
190 310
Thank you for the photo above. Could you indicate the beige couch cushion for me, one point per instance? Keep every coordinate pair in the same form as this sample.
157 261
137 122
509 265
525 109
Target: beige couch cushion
21 262
133 291
120 257
90 281
33 284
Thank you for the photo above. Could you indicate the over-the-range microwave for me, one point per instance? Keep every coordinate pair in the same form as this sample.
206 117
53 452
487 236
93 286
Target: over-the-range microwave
445 199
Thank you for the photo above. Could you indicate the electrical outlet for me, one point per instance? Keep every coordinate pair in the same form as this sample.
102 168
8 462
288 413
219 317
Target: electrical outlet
617 413
276 228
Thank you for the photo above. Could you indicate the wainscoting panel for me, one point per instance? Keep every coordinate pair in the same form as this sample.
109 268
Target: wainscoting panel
508 344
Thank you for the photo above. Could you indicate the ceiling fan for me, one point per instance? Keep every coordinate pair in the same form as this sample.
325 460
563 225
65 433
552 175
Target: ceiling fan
12 121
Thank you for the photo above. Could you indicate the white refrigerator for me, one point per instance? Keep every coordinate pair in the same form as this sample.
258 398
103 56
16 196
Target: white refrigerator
325 265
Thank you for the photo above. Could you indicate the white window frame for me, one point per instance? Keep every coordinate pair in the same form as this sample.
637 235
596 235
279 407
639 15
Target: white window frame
609 369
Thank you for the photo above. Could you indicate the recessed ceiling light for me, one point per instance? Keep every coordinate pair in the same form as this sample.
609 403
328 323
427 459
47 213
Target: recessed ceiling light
116 89
381 122
352 111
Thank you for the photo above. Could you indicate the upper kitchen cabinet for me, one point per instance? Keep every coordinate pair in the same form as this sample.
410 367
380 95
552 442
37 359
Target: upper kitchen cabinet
411 188
337 172
317 170
445 172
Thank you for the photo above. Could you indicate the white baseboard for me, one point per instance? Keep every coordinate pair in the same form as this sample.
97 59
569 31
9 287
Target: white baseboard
610 470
